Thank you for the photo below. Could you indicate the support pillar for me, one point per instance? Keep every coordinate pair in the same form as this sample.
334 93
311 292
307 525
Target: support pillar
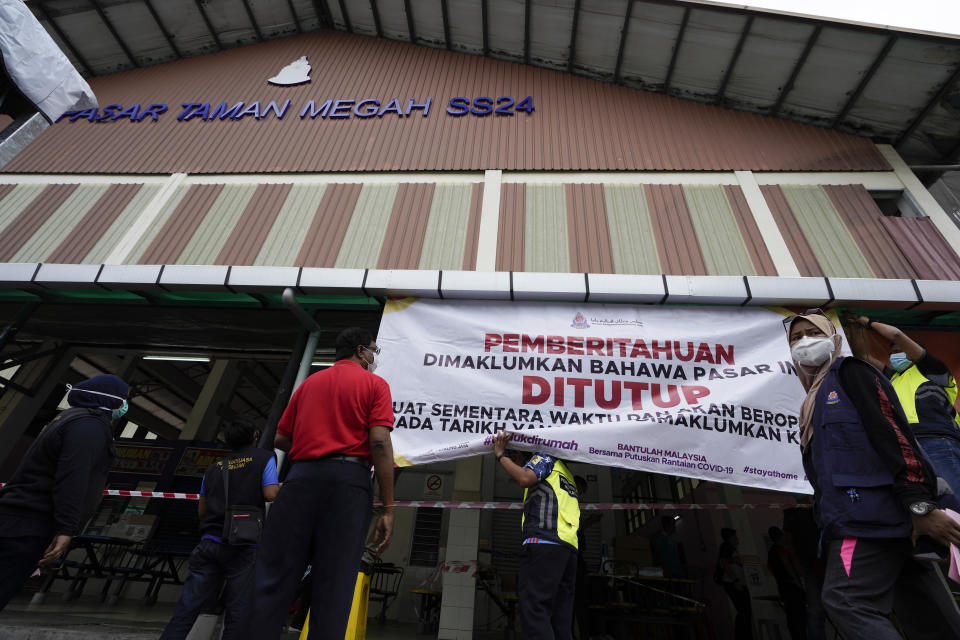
459 587
204 418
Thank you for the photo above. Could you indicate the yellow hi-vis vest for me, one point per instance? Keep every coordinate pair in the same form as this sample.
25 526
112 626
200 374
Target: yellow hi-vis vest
906 385
552 507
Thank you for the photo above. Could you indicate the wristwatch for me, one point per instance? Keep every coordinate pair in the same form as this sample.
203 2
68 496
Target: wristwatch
500 456
922 508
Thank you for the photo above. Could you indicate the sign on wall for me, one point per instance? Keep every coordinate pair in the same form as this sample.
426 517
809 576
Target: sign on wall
702 392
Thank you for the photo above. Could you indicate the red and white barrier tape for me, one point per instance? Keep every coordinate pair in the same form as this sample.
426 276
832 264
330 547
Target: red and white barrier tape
454 504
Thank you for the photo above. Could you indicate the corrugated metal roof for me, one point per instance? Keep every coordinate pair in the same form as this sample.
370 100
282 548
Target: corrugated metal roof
364 238
792 234
216 225
589 230
546 238
577 125
676 238
95 224
511 230
633 246
924 248
15 200
750 232
169 207
286 238
403 242
863 219
835 249
724 250
445 239
250 233
473 228
178 230
31 217
329 227
57 227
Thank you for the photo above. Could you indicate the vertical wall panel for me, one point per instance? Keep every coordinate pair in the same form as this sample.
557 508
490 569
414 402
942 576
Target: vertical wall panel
60 224
329 226
832 244
403 242
75 247
291 226
473 228
632 241
448 227
750 232
676 238
249 234
546 241
589 239
167 244
927 251
32 217
863 219
209 237
512 227
367 229
724 250
800 249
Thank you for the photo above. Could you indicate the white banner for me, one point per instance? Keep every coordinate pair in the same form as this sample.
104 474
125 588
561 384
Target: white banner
702 392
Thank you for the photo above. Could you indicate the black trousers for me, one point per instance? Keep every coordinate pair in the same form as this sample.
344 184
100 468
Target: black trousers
743 623
320 517
212 565
545 587
18 559
867 578
795 606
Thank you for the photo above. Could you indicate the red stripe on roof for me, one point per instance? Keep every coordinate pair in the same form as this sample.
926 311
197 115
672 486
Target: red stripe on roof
511 230
792 234
32 218
329 226
924 248
677 242
403 241
587 229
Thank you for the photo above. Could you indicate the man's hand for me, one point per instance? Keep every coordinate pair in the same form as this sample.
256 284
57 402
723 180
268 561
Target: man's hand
58 546
384 531
938 525
500 442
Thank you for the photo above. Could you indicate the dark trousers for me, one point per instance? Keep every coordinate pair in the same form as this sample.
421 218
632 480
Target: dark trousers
320 517
211 564
545 587
18 559
743 623
794 601
866 579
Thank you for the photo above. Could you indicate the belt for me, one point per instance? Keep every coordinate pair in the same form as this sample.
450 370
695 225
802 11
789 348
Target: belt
360 460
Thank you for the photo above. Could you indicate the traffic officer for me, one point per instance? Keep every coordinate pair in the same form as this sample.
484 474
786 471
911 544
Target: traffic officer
548 564
59 482
927 392
337 422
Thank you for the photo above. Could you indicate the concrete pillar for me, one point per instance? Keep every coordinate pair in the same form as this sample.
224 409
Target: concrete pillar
17 410
459 587
204 418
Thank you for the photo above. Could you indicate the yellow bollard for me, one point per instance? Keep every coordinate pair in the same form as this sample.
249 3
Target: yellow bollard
357 623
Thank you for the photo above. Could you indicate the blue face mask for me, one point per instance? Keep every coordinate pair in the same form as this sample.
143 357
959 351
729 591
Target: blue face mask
122 411
900 361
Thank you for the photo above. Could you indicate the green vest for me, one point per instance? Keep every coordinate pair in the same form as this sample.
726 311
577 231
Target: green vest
906 385
551 509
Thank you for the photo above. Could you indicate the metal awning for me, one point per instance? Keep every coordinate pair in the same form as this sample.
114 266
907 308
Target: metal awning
895 85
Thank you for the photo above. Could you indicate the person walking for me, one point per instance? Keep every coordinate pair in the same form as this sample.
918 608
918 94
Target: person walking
59 482
548 563
927 391
874 492
247 478
789 574
337 422
730 575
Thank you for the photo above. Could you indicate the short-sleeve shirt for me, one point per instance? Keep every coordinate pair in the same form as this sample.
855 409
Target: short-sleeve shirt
333 410
936 415
541 464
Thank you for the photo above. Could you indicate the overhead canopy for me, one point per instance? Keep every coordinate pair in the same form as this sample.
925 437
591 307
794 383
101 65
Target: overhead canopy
894 85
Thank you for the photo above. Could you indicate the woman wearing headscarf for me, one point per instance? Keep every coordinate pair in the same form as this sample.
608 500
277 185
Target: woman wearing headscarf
59 482
873 492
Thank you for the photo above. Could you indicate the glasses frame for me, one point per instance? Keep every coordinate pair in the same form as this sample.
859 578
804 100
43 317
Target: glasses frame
809 312
375 352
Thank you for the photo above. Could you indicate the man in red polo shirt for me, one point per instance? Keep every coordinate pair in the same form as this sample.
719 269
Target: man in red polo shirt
337 423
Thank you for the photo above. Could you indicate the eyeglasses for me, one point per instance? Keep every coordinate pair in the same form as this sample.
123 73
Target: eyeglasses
809 312
375 351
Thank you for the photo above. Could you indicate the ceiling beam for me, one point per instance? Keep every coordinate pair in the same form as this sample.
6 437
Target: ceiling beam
864 81
624 32
113 32
206 21
376 17
145 419
484 24
85 67
733 59
445 14
573 36
797 68
944 89
526 32
322 9
411 27
163 29
676 50
253 20
346 16
296 18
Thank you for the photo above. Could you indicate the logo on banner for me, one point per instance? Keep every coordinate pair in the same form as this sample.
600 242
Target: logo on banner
297 72
580 322
832 398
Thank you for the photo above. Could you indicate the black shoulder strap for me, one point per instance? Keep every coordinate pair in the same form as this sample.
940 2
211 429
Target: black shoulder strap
226 496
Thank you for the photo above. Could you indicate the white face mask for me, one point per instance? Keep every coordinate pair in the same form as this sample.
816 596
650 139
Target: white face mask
812 352
122 409
372 363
